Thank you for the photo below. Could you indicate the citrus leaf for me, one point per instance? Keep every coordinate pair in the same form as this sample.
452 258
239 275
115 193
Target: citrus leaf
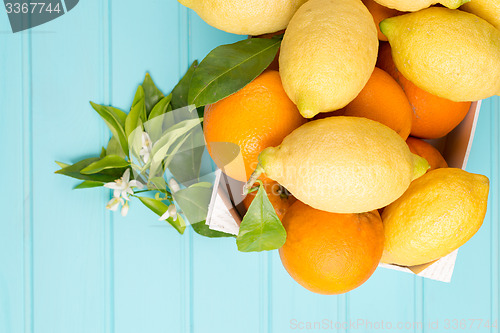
260 229
108 162
228 68
161 107
115 119
152 94
161 147
88 184
105 176
181 90
194 202
159 208
62 165
114 148
202 229
139 94
134 117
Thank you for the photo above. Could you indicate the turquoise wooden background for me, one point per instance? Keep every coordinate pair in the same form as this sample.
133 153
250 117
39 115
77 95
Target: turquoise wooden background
68 266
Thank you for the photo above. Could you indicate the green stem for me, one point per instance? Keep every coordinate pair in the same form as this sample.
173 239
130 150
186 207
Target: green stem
253 178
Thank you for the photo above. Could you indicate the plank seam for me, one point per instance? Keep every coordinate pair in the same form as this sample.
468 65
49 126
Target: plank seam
108 234
493 215
27 119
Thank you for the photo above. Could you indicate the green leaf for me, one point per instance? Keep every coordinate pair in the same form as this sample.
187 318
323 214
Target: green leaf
152 94
115 119
154 126
162 146
108 162
185 164
134 117
261 229
194 201
181 90
104 176
62 165
114 148
228 68
88 184
158 183
202 229
159 208
103 152
139 94
161 107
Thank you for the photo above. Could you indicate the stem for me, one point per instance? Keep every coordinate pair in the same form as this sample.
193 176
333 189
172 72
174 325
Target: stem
253 178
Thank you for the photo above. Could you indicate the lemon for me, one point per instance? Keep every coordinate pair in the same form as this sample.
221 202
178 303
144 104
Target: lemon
486 9
328 54
245 17
343 164
415 5
449 53
438 213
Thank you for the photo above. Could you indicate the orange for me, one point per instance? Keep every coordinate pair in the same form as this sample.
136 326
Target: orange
433 117
379 14
427 151
383 100
331 253
258 116
280 199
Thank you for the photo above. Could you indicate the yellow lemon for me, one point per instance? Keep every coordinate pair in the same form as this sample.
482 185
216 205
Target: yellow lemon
486 9
343 164
438 213
449 53
245 17
414 5
328 54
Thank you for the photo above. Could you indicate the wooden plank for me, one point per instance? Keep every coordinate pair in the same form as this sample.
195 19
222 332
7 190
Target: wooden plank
149 261
467 302
68 239
15 264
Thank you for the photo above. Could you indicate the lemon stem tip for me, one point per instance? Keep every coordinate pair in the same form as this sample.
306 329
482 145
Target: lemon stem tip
253 178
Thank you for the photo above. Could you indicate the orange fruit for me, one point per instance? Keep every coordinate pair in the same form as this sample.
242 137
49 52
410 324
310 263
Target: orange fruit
427 151
383 100
258 116
331 253
433 117
280 199
379 14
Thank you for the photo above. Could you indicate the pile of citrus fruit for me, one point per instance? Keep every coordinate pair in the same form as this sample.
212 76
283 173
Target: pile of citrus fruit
336 131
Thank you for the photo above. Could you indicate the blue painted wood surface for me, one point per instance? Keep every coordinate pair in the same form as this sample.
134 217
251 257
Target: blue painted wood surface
68 266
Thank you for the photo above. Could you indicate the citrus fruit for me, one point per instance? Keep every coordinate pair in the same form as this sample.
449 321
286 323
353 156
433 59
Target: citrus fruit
330 253
486 9
438 213
449 53
413 6
433 116
383 100
258 116
280 199
245 17
380 13
324 62
343 164
427 151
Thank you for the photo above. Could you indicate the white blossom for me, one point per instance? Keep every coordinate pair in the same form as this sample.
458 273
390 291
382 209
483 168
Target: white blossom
123 187
147 146
171 212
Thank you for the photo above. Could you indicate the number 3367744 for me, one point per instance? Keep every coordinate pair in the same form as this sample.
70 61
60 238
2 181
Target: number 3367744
32 8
